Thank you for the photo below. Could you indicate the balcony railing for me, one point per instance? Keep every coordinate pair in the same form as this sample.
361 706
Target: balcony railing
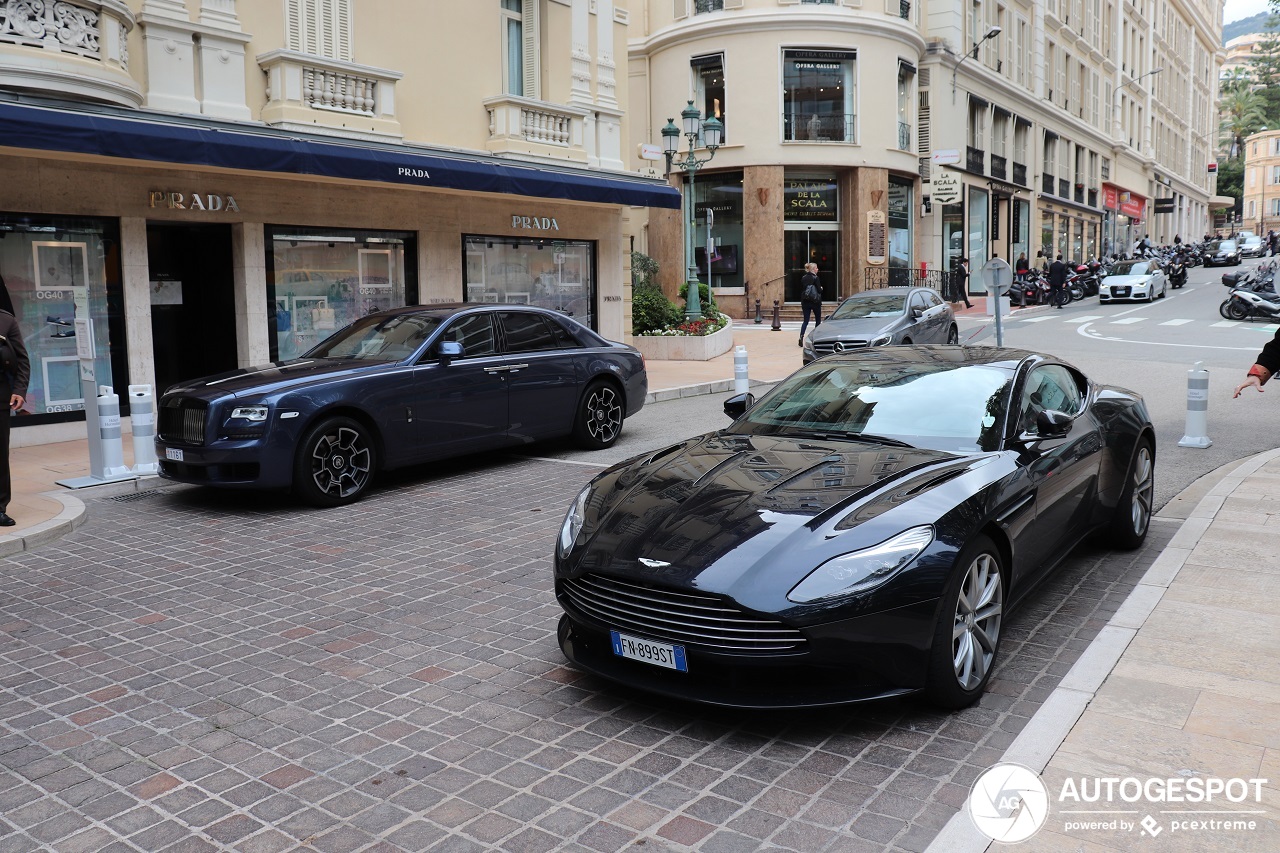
998 167
975 159
315 93
700 6
1064 188
50 37
1093 197
904 136
904 10
1079 196
876 277
1020 174
806 127
1046 184
523 125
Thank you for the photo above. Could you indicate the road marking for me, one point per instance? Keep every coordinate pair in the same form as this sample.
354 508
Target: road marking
1086 331
1224 324
1270 327
1085 318
1127 321
1176 322
1037 319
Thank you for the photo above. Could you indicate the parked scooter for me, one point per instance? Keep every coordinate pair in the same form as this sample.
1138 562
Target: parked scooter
1030 289
1245 304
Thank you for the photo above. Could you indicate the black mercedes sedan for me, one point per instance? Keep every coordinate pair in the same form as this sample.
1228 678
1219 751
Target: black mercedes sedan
397 388
860 532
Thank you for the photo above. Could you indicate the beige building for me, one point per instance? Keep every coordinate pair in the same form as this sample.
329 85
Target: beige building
1238 52
1262 182
981 129
222 183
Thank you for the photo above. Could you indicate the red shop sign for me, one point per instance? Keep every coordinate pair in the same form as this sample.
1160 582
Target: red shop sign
1110 197
1135 207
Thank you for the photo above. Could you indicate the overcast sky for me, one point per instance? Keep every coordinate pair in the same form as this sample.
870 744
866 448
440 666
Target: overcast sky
1234 10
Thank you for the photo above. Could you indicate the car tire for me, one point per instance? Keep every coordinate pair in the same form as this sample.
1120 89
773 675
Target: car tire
1132 517
600 414
953 336
906 342
335 463
967 635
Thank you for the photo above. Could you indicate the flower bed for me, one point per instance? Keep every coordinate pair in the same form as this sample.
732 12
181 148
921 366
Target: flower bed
687 341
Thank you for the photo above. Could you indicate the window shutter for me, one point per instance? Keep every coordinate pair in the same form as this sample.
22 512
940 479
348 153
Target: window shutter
733 4
293 23
529 48
923 131
342 29
681 9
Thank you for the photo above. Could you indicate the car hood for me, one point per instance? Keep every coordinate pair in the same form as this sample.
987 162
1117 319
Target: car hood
270 378
1127 280
706 513
861 327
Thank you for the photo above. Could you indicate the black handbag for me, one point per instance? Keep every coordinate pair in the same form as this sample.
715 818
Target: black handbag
7 357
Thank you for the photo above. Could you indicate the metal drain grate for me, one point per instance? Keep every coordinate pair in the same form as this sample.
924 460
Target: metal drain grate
137 496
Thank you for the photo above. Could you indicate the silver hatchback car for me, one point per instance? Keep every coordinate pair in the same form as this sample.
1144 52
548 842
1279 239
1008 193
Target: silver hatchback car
874 318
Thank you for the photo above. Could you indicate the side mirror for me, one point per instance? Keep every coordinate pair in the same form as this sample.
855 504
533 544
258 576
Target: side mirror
448 351
1053 424
735 406
917 313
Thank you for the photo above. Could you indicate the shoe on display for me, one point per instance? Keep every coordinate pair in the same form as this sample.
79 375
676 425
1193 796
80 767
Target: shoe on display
70 334
6 521
58 321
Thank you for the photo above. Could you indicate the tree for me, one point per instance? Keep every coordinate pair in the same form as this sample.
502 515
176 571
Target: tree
1231 181
1264 68
1243 112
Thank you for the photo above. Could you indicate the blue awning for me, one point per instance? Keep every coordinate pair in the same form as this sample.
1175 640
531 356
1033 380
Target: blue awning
263 150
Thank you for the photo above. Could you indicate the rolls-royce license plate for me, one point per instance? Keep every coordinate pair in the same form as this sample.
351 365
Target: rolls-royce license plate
647 651
173 453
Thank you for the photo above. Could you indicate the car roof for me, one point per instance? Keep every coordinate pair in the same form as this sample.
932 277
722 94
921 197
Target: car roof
445 310
1006 358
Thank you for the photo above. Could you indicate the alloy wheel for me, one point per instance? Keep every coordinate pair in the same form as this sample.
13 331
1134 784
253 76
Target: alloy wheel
1143 487
976 631
604 414
341 462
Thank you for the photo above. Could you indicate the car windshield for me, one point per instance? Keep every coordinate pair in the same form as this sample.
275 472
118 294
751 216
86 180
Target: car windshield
378 338
877 305
1132 268
934 404
1225 246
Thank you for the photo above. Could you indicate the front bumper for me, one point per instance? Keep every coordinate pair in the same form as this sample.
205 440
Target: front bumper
247 464
869 657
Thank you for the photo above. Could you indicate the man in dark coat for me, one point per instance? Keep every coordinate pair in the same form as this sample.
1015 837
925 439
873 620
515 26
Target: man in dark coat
1058 272
13 387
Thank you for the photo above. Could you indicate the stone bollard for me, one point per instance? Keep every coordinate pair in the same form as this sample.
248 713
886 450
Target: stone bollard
759 316
777 317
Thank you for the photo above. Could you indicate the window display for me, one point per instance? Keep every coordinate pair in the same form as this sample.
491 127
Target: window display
322 280
554 274
54 270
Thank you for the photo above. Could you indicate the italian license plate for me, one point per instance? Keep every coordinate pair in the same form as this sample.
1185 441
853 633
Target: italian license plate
647 651
173 453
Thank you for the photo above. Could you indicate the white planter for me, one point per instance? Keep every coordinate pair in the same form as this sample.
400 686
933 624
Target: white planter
685 347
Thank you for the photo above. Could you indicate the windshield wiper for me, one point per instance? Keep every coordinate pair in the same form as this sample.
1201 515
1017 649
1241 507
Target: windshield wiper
843 435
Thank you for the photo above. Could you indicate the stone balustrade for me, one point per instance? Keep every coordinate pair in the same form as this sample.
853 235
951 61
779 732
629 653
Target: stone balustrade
535 128
306 92
69 47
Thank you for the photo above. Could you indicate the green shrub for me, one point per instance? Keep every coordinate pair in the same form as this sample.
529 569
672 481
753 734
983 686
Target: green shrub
704 296
651 310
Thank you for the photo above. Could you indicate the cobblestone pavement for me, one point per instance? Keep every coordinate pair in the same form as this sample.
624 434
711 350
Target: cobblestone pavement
194 670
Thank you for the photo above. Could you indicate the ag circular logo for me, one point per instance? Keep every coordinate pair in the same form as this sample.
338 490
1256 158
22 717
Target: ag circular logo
1009 803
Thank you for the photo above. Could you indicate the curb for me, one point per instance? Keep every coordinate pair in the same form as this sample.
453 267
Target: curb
1044 733
719 386
73 514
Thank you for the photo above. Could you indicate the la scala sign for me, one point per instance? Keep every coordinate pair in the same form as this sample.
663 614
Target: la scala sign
944 187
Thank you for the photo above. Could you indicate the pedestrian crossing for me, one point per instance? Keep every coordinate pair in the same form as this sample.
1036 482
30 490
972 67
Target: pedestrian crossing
1101 320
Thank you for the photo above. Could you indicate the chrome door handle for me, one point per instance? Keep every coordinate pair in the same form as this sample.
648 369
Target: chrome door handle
503 369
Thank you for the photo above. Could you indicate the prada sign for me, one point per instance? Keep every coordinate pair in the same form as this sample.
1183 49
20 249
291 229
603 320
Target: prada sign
206 202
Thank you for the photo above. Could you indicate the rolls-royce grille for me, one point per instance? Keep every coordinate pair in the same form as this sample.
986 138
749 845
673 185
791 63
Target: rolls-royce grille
693 619
183 420
828 347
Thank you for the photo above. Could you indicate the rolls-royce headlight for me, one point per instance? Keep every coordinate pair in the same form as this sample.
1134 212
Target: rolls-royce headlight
573 522
864 570
249 413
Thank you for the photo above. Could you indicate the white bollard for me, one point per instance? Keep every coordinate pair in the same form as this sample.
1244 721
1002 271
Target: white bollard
1197 408
109 432
741 384
142 414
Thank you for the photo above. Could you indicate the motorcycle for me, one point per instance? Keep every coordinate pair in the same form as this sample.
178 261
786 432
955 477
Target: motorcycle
1177 271
1030 289
1244 304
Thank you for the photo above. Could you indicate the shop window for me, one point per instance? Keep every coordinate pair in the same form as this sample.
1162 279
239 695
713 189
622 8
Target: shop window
54 270
720 195
320 27
554 274
321 280
520 47
819 94
1046 235
900 237
708 78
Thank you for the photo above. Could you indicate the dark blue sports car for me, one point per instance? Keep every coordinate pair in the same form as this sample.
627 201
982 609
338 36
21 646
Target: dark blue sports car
860 532
397 388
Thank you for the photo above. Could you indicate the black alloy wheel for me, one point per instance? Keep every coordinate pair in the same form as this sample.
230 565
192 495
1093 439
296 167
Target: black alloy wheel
335 463
1133 512
967 635
953 336
600 413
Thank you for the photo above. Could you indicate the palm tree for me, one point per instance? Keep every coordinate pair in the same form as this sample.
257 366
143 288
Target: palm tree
1242 113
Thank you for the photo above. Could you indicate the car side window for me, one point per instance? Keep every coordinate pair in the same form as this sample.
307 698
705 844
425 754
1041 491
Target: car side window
918 302
563 339
527 332
933 299
1050 387
474 332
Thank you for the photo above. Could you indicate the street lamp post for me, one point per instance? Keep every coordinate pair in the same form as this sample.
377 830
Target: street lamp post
991 33
712 132
1115 103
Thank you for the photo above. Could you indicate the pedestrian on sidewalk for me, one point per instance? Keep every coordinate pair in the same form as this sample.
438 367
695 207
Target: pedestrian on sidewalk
15 371
1267 363
1058 272
960 283
810 298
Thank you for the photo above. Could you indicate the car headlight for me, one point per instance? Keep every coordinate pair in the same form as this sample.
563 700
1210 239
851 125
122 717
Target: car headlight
863 570
249 413
883 340
573 522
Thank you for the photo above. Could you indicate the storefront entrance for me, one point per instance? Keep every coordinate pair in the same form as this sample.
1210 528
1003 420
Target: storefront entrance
193 315
813 244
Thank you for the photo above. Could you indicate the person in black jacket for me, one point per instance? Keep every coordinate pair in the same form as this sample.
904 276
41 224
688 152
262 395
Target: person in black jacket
13 387
1267 363
1058 272
810 298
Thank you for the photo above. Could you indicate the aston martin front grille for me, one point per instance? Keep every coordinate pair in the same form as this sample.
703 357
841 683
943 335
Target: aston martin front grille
693 619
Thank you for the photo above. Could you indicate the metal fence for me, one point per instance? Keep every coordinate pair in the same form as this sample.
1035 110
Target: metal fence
874 277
